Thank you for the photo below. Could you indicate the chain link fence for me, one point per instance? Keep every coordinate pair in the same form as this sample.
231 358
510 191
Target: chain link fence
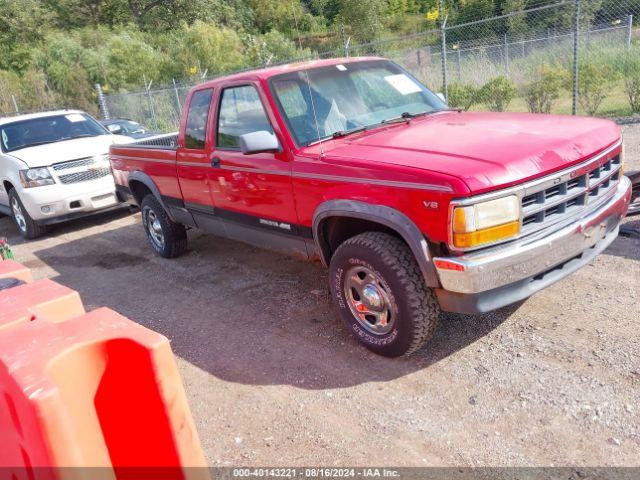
573 56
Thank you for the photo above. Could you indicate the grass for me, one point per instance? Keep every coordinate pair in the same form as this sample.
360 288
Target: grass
615 104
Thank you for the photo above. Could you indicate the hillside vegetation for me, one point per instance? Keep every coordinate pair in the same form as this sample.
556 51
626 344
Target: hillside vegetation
52 52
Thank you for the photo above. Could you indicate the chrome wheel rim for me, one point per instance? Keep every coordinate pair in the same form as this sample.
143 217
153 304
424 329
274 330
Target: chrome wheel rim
370 300
154 228
18 215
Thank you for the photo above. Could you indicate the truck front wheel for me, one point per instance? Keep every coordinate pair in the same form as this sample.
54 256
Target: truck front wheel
28 228
167 238
380 292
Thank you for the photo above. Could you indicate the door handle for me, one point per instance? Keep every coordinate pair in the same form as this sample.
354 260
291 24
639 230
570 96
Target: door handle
215 162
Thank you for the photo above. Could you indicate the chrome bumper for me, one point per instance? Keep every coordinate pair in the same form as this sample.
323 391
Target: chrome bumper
530 258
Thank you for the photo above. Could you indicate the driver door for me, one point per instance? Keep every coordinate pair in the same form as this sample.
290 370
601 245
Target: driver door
253 193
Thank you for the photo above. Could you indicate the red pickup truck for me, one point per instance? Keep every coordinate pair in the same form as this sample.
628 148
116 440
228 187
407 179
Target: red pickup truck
414 207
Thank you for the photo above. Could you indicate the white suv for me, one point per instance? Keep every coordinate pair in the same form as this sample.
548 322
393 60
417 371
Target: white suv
54 166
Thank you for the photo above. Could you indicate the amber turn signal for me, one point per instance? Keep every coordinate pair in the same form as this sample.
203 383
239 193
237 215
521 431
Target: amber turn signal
487 235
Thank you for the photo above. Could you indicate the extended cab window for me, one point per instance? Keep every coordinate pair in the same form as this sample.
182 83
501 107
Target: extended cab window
196 132
241 112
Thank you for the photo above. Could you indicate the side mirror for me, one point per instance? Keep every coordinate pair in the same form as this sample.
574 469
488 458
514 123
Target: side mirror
115 129
259 142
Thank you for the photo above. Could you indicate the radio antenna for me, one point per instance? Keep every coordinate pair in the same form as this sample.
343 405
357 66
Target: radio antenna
306 74
313 109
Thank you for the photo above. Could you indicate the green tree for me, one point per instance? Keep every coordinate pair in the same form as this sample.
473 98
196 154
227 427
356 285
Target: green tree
286 16
516 25
23 24
365 18
35 93
207 47
273 47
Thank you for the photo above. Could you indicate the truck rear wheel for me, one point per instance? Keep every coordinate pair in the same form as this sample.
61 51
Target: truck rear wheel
380 292
27 227
167 238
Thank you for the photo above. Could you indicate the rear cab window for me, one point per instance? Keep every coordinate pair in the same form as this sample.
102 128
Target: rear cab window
197 118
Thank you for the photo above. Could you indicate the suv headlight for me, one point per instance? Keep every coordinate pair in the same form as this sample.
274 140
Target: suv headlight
36 177
486 222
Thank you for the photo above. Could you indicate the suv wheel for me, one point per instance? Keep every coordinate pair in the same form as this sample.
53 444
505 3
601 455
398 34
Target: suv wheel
27 227
167 238
381 294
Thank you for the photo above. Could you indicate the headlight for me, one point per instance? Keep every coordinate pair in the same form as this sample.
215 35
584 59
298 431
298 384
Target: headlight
486 222
36 177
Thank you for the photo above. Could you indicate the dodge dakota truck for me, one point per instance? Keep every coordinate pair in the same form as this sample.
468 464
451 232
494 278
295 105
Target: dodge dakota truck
414 207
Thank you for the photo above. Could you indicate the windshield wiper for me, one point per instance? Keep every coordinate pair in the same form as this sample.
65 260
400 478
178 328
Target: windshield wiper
338 134
406 116
344 133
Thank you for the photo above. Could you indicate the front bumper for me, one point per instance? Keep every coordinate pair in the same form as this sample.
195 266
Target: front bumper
493 278
59 202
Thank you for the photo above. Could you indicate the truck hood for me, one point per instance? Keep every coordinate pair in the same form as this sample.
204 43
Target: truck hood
485 150
50 153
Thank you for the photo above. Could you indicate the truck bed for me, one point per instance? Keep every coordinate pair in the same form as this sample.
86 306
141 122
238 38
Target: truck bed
153 156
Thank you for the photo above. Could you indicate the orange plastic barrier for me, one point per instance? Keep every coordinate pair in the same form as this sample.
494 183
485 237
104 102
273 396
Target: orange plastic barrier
43 298
11 269
88 390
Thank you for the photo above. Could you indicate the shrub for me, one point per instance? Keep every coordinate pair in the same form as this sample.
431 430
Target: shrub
594 79
628 65
462 96
9 89
497 93
541 92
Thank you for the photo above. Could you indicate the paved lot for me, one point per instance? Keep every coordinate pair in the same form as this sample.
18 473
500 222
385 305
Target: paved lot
274 379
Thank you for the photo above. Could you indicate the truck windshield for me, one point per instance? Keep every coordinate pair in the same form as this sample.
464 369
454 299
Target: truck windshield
52 129
339 99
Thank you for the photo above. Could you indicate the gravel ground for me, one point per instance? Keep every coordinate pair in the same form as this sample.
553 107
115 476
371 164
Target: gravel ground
274 379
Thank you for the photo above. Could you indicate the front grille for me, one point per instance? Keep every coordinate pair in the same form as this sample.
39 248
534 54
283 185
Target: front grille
81 170
557 198
84 176
81 162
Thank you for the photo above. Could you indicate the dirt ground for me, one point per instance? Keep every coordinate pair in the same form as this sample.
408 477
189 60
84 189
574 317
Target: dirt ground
274 379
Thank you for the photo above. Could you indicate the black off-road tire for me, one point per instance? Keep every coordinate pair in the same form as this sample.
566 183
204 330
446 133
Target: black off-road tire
31 228
416 307
174 234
